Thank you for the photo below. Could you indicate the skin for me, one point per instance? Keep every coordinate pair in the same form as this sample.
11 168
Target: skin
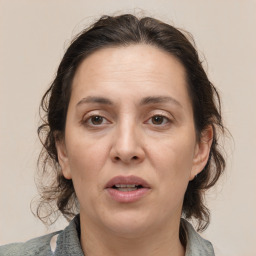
129 138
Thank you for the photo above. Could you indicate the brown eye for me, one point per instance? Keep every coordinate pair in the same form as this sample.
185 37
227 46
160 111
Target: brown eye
158 120
96 120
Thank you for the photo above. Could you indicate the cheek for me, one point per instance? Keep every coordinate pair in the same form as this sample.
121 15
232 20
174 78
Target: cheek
173 176
174 155
86 159
85 153
173 161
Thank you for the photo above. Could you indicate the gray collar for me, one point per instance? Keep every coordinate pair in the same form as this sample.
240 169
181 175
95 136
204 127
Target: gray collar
68 241
196 245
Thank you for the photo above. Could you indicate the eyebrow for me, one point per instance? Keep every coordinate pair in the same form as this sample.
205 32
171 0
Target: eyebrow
159 99
144 101
92 99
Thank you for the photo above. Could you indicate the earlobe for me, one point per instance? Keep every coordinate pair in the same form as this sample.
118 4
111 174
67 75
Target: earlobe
202 152
63 158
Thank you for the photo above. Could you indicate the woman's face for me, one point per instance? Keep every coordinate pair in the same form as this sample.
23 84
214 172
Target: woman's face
130 143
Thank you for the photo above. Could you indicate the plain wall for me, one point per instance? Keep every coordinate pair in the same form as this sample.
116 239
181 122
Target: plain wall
33 37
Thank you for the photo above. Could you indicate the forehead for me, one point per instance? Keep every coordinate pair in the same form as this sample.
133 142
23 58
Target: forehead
139 58
138 69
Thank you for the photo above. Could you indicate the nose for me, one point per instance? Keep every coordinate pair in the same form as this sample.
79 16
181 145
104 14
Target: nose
127 145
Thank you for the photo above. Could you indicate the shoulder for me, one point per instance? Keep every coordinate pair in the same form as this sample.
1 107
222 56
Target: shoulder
61 243
39 246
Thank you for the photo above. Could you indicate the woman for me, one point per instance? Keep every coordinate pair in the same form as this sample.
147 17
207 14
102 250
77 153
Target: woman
130 134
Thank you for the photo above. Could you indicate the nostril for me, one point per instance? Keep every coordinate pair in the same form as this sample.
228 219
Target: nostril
117 158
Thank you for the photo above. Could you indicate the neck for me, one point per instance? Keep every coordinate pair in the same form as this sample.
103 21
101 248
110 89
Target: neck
96 242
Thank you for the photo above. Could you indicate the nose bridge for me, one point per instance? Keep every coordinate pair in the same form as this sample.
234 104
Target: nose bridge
126 134
127 144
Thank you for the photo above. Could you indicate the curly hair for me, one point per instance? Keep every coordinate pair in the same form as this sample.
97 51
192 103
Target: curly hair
57 193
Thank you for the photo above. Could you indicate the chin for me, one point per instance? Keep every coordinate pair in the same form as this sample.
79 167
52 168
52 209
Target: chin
129 223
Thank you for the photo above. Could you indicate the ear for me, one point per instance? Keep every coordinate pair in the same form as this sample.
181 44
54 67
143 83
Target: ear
63 157
202 152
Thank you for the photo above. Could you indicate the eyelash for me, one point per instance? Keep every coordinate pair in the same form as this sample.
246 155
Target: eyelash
88 121
167 120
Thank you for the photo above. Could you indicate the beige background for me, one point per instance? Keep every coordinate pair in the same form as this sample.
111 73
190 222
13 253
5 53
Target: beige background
33 36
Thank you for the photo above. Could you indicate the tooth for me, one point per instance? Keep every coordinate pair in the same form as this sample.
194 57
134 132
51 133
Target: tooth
131 186
127 189
125 185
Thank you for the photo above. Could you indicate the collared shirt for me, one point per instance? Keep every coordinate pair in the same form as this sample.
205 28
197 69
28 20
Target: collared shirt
67 243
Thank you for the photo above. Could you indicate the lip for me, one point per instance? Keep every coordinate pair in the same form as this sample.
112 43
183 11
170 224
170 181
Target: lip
127 196
127 180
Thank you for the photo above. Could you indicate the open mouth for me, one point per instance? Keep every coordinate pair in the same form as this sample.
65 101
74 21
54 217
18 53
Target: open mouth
127 187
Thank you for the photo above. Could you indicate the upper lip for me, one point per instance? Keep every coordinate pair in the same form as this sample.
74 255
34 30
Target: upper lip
126 180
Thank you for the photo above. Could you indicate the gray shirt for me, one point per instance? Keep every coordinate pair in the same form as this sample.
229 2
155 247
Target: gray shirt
68 243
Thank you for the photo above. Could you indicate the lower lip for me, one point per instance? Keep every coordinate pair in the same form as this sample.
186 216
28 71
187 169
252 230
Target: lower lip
127 196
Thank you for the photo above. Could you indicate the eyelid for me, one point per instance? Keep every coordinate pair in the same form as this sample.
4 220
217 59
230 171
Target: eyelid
168 120
163 113
92 114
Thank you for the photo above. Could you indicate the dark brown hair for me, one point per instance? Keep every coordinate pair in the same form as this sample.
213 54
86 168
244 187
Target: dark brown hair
124 30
